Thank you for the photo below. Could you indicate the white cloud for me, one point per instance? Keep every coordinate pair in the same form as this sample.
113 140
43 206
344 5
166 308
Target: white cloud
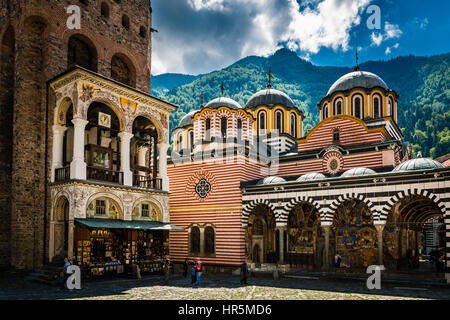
197 36
376 39
388 51
392 31
327 25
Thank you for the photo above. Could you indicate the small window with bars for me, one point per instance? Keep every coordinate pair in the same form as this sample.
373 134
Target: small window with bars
145 210
100 207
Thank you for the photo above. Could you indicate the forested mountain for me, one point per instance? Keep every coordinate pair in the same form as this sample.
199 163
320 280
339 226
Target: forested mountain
422 82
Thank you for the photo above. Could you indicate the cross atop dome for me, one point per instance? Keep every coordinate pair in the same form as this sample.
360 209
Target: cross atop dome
222 88
202 98
269 76
357 66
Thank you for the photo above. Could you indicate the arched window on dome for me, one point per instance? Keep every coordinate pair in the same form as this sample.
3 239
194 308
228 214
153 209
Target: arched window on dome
279 121
180 142
294 125
262 122
208 129
191 139
338 107
390 109
357 106
223 127
377 113
239 129
325 112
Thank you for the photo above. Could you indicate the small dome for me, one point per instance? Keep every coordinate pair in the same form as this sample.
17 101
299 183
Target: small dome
223 102
357 79
418 164
270 180
187 119
357 172
270 96
311 176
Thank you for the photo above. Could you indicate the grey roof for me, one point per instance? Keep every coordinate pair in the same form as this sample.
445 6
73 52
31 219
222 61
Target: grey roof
311 176
270 180
362 79
223 102
187 119
358 172
270 96
418 164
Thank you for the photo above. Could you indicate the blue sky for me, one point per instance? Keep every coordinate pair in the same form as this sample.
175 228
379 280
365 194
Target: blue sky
199 36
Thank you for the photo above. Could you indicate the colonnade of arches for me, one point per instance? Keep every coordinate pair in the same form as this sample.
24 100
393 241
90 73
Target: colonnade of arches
307 238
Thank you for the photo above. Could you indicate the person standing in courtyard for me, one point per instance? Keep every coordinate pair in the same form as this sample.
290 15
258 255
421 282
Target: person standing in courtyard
193 275
244 272
199 268
337 260
166 270
65 273
185 267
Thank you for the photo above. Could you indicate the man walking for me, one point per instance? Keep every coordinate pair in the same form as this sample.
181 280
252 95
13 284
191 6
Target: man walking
65 274
244 272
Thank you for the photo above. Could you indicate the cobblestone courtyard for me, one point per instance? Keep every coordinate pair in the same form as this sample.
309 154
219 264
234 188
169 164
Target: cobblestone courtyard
221 287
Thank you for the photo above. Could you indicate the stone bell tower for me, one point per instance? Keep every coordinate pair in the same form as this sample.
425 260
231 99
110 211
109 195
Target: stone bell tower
114 40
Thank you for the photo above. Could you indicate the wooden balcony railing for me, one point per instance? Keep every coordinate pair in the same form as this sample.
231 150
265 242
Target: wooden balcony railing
104 175
147 182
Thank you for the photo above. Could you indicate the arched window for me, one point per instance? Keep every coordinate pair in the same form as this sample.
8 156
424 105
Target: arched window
208 129
209 240
262 121
81 52
143 32
180 142
325 112
195 240
223 127
239 129
376 107
122 70
191 139
338 107
336 136
125 22
357 107
294 125
279 121
390 108
104 10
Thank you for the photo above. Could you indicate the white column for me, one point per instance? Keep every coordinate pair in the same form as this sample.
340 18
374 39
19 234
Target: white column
142 152
162 147
57 152
125 138
78 165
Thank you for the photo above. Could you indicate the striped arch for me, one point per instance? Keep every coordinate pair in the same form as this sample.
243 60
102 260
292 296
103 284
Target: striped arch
248 208
291 204
340 199
403 194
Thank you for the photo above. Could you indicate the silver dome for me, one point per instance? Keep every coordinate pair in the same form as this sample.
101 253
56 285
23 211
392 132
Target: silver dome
418 164
270 96
357 79
357 172
187 119
270 180
311 176
223 102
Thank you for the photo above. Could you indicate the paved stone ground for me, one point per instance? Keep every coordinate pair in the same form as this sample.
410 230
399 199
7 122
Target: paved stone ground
222 287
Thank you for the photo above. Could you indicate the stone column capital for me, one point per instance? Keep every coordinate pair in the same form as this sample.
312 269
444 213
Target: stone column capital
78 122
326 224
57 128
123 135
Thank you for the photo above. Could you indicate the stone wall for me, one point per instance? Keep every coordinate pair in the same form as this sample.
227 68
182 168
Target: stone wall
41 40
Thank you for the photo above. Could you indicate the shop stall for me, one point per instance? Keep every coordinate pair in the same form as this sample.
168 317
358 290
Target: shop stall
105 248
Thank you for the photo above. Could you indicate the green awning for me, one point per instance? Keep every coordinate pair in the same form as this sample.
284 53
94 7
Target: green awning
123 224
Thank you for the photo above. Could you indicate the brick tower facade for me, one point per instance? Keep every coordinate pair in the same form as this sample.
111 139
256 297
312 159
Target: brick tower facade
36 46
